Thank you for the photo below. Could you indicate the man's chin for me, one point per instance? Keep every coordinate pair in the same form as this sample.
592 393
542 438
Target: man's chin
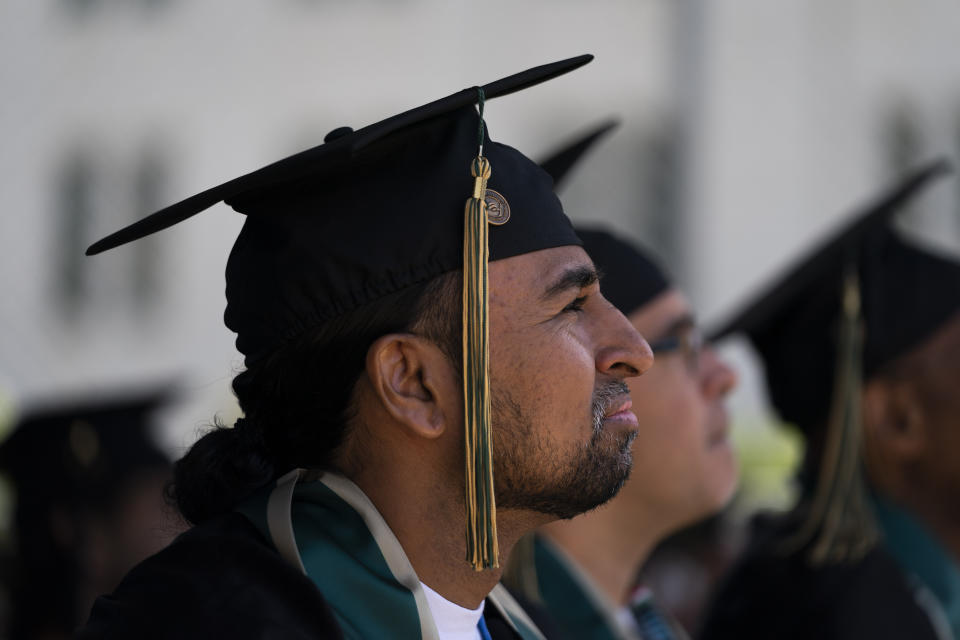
603 480
588 505
591 482
620 469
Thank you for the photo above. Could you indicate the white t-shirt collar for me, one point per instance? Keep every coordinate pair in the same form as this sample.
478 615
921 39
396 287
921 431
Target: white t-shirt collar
453 621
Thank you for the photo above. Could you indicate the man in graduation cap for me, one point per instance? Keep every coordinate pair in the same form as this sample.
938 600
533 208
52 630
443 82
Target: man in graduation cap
861 345
88 482
583 571
398 391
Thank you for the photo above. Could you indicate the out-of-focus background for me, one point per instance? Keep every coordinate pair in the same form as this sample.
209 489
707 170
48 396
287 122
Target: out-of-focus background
749 129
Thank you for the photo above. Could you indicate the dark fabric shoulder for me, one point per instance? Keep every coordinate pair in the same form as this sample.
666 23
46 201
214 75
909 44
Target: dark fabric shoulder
218 580
539 616
770 594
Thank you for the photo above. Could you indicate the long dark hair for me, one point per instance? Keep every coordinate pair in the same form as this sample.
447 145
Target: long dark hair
298 401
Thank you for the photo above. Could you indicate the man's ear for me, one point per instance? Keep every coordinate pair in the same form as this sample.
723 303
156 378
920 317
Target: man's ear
414 381
893 420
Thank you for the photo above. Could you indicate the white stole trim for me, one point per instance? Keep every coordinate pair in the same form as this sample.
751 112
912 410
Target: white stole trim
280 525
510 609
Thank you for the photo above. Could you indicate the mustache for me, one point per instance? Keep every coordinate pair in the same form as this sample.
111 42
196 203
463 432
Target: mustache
606 397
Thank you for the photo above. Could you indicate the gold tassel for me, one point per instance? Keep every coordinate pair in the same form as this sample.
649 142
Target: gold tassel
482 547
840 515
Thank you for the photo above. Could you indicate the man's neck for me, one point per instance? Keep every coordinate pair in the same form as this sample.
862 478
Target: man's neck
608 546
430 527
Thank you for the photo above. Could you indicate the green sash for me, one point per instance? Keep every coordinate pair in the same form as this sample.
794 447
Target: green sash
324 525
571 598
922 556
583 611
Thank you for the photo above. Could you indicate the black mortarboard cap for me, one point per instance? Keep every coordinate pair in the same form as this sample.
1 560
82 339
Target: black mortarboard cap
81 451
629 276
66 459
368 213
906 293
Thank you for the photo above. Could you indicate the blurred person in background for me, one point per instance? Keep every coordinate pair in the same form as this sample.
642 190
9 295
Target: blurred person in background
583 571
861 346
89 485
338 505
685 568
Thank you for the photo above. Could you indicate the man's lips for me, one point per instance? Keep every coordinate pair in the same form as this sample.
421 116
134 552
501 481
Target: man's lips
621 413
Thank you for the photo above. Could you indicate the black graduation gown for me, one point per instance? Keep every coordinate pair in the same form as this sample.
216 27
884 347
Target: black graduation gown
221 579
770 595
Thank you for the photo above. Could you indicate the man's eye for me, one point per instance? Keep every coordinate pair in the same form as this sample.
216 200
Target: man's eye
576 305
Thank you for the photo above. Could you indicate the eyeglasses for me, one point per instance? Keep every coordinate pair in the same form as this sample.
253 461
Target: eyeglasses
687 340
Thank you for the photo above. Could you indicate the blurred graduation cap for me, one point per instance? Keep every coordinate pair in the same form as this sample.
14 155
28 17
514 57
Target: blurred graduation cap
64 461
855 302
630 276
373 211
905 292
561 161
82 451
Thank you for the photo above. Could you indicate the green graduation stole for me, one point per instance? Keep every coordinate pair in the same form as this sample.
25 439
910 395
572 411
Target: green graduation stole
326 527
936 583
576 605
543 573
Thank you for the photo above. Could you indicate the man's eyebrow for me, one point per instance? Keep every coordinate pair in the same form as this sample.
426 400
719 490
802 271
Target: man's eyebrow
578 277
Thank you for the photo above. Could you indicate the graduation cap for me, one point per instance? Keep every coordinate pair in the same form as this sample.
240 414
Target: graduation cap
857 301
373 211
630 277
64 460
81 451
560 162
906 292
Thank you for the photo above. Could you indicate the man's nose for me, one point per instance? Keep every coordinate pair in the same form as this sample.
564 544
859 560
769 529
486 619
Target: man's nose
624 352
717 377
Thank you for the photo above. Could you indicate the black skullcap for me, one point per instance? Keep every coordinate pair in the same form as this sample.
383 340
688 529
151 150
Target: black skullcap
906 293
368 213
629 277
81 451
